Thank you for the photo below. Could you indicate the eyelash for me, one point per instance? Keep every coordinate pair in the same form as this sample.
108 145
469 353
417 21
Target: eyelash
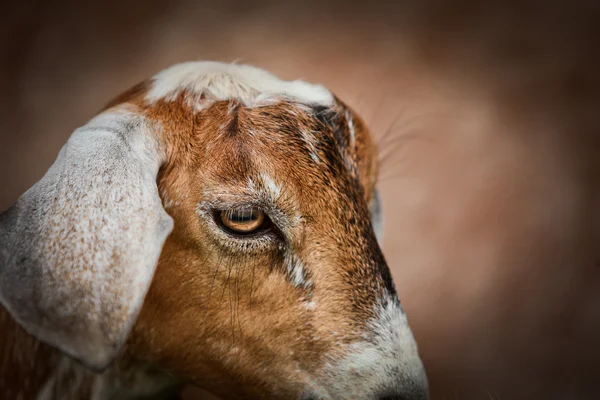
263 228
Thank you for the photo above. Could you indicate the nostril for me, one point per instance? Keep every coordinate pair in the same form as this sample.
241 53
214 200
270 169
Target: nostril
411 395
402 397
395 397
309 396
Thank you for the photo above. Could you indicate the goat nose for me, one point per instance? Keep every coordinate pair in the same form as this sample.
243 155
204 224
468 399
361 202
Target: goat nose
415 393
405 396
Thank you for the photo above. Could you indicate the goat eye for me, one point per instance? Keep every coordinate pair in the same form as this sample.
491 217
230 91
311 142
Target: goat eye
242 221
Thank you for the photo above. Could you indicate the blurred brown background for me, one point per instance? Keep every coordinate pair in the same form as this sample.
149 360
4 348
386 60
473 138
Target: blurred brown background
491 173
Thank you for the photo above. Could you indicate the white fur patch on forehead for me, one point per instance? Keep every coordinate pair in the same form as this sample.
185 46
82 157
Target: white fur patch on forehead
221 81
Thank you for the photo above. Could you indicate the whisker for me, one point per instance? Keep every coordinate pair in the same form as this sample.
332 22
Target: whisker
239 276
252 281
405 120
231 308
377 110
392 150
227 287
227 281
381 139
402 122
212 283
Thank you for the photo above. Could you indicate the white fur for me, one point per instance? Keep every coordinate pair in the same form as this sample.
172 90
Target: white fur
351 129
298 275
273 189
377 216
296 272
387 355
310 141
221 81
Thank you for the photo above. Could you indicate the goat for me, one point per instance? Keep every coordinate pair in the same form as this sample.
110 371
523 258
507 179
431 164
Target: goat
213 225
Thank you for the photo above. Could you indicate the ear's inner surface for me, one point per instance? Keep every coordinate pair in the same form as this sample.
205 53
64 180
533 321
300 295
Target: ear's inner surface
79 249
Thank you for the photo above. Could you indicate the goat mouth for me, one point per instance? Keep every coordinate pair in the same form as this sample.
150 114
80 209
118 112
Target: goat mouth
311 395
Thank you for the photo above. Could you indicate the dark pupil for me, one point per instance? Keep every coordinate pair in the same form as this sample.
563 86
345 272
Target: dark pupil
243 216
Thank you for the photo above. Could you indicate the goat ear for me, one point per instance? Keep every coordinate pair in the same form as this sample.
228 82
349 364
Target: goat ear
78 250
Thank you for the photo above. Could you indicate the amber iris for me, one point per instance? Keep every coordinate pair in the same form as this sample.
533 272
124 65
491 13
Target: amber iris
242 221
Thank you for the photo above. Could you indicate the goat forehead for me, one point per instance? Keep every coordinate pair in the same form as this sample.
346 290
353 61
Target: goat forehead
220 81
264 121
270 141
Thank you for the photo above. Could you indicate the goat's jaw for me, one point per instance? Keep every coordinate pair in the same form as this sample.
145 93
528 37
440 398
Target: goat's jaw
283 346
385 365
378 361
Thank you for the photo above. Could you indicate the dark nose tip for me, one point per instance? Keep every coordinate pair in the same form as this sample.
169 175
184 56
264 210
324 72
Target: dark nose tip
404 397
309 396
417 394
395 397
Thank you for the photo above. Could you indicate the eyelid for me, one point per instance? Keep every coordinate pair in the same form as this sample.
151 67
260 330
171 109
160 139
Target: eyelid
225 200
222 202
285 227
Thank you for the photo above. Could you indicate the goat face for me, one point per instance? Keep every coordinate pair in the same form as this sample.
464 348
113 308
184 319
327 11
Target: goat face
271 282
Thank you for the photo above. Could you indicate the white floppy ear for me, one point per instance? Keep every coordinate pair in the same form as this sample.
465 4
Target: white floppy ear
376 216
78 250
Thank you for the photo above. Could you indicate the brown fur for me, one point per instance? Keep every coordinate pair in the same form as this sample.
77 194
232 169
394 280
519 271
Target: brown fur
222 303
26 364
